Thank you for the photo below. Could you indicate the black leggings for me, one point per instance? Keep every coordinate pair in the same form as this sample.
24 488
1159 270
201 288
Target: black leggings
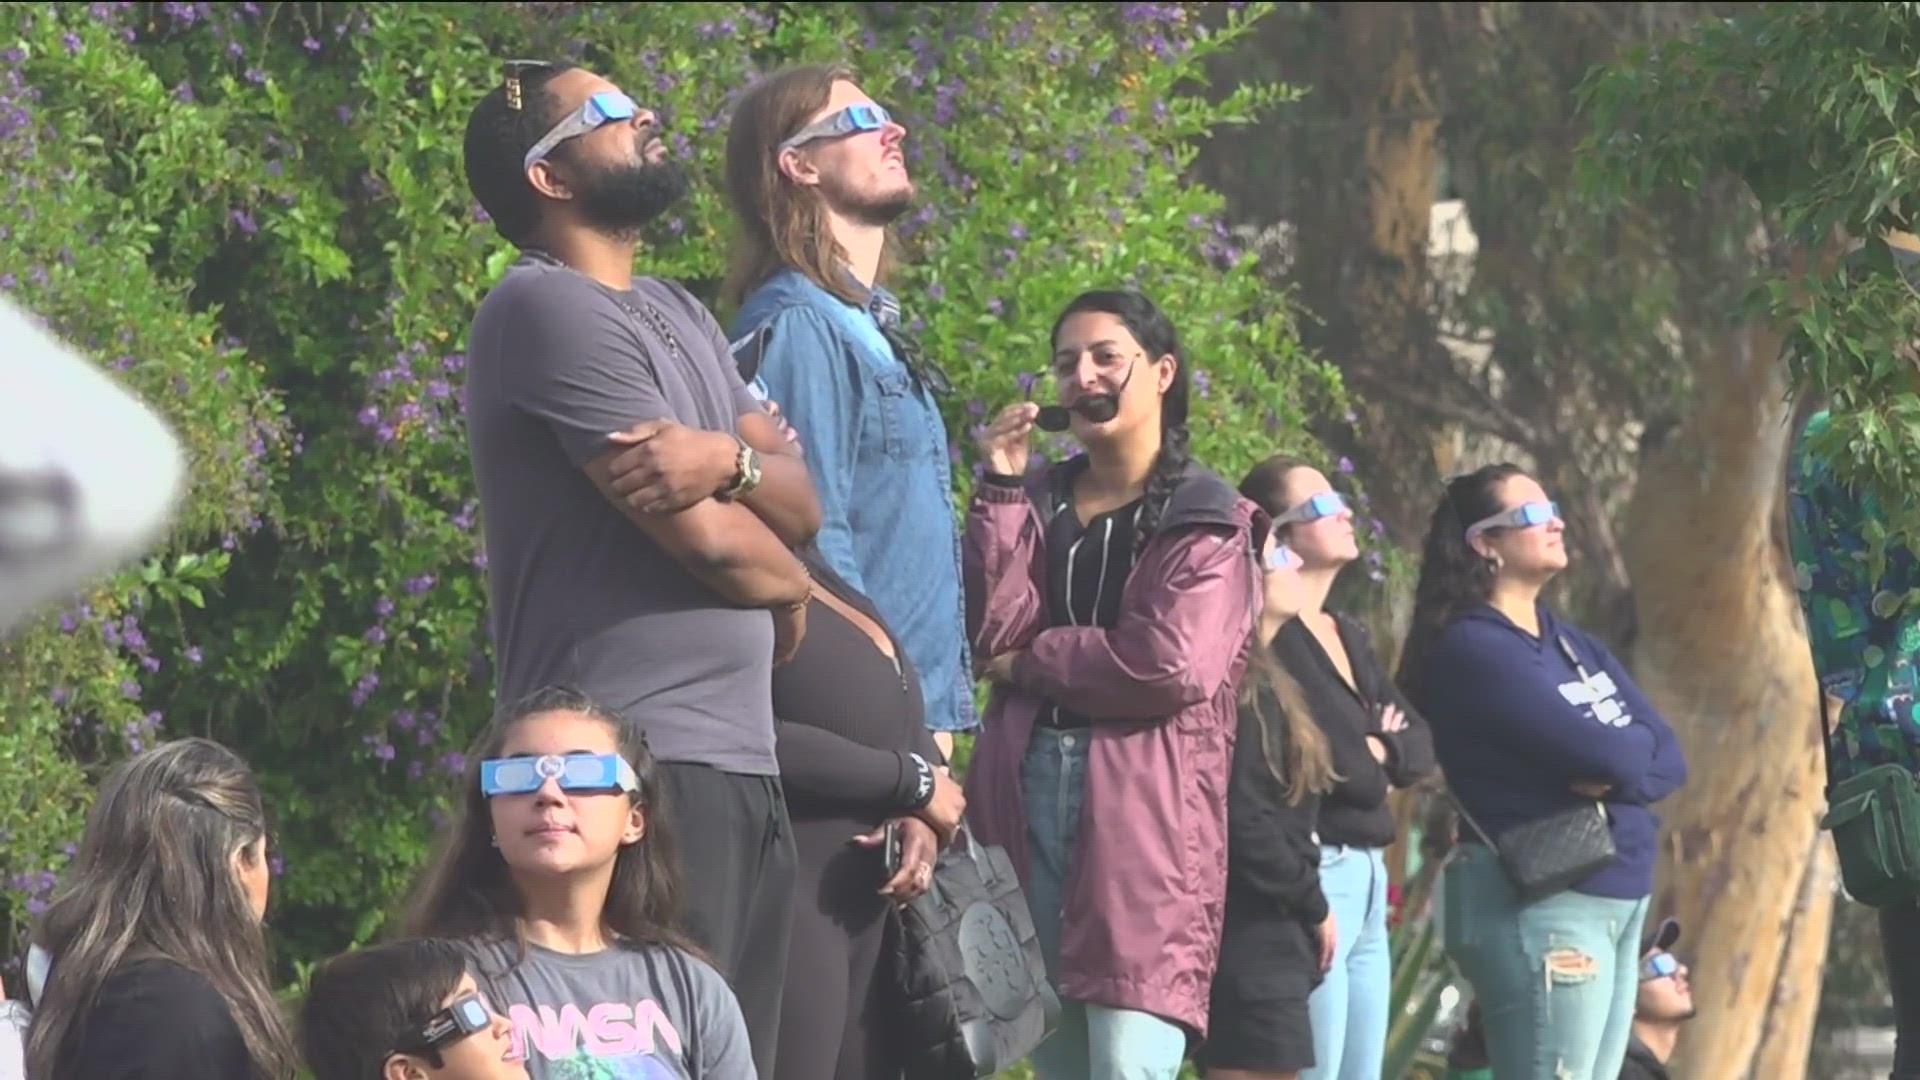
1900 947
736 875
829 1022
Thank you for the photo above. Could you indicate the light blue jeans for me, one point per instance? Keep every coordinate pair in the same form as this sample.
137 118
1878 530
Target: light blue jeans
1092 1042
1556 978
1349 1008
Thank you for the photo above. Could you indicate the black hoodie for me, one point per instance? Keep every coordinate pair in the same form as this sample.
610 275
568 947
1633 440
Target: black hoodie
1355 813
1641 1064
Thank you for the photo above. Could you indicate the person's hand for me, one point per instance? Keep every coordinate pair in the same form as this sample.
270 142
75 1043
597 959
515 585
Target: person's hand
1003 444
780 420
789 630
1329 934
668 467
1391 720
918 849
1591 789
1000 669
944 812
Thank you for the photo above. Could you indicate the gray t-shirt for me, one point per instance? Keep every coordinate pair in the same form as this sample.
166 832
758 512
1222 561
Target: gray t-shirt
580 595
639 1013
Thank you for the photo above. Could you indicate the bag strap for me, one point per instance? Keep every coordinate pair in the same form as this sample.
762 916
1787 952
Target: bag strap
1468 818
1566 650
1827 732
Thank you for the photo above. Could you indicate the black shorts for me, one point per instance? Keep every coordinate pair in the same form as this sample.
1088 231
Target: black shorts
1257 1019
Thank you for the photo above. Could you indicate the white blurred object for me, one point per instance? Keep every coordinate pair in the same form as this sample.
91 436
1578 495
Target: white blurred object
89 477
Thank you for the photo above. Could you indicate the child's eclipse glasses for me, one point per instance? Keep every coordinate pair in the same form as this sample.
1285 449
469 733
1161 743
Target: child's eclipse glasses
576 772
467 1015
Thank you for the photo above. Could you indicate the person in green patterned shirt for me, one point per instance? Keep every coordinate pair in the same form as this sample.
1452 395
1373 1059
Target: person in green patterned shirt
1865 649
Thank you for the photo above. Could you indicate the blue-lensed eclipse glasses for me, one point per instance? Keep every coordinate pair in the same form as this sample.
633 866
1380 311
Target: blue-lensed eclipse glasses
576 772
1322 504
1658 966
848 121
1524 516
604 107
1282 557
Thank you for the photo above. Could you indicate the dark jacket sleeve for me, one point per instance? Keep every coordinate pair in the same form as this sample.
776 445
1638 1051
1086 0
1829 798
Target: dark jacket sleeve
1271 850
1668 770
1410 756
818 766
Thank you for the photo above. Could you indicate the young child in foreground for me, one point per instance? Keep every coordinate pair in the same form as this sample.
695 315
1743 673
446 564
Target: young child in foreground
406 1011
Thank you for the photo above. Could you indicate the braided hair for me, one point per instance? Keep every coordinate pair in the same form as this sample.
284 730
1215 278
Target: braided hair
1157 336
1453 576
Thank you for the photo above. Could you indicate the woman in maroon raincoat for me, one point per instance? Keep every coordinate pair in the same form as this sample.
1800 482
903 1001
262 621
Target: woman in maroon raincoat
1111 599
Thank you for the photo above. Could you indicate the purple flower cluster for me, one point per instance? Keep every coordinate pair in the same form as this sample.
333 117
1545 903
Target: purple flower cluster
418 731
414 393
38 885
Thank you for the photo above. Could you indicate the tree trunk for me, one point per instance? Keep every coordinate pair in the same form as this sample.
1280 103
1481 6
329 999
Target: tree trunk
1788 1039
1722 651
1354 167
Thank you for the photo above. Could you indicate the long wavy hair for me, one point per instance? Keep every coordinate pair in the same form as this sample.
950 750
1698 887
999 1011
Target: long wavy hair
780 223
1296 749
468 891
1157 337
154 878
1453 576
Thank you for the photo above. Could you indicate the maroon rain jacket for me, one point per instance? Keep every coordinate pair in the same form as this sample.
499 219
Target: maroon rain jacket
1146 888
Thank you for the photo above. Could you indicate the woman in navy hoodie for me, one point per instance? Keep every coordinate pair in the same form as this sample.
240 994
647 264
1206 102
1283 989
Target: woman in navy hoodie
1532 717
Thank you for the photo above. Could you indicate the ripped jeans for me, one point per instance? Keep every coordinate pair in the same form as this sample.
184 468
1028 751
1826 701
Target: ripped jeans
1556 979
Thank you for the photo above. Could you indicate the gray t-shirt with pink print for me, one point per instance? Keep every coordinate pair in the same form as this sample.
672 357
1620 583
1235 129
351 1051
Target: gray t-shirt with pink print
640 1012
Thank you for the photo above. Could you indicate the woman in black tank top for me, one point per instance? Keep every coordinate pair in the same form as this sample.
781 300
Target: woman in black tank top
855 753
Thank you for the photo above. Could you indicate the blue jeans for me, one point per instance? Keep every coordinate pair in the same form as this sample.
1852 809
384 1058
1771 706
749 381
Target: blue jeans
1349 1008
1092 1042
1556 978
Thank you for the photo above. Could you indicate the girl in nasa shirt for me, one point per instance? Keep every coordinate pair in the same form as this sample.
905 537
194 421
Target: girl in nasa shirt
1532 717
558 879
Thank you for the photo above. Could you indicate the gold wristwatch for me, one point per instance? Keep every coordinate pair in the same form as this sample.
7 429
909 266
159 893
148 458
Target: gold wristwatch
747 474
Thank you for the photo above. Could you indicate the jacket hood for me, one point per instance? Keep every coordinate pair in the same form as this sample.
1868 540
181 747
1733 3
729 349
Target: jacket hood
1202 498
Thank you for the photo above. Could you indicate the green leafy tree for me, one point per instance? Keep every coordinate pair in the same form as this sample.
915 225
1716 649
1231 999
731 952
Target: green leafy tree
1805 114
1812 110
271 216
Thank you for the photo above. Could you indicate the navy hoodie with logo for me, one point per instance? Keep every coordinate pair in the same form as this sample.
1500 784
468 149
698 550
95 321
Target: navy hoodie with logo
1515 725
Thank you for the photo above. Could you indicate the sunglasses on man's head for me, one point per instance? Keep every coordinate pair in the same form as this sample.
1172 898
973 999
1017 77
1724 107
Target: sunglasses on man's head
906 349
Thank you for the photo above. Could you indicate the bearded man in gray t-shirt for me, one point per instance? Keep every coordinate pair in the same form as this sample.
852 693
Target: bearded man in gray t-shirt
640 505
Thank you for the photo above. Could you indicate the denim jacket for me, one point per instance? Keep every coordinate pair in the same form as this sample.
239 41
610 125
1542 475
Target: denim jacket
869 428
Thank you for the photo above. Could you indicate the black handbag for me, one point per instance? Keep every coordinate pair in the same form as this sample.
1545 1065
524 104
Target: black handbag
1554 853
1557 852
971 995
